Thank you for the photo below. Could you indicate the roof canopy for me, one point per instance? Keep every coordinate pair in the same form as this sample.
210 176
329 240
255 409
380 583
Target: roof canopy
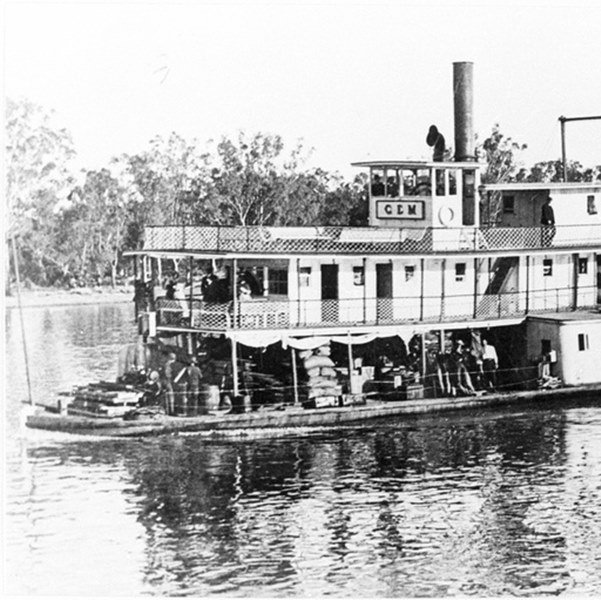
416 164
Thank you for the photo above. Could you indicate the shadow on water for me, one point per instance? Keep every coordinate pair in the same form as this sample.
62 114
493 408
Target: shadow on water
433 506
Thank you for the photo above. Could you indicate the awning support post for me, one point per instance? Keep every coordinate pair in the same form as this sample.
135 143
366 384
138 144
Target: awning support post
235 366
294 376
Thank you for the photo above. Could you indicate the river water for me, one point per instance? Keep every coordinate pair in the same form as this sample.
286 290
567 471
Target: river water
479 503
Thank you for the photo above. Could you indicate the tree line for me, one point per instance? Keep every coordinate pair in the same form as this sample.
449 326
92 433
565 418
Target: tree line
73 230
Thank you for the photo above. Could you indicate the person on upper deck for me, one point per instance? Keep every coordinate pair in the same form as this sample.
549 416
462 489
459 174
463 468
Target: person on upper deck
436 139
547 220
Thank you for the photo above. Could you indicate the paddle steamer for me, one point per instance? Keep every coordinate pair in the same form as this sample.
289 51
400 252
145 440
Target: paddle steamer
321 318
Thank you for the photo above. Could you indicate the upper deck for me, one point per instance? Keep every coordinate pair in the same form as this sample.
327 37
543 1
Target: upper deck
352 241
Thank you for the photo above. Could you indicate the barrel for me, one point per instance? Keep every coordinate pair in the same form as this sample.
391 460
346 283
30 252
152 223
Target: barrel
181 399
209 398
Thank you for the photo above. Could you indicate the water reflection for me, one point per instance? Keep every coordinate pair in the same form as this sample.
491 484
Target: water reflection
491 503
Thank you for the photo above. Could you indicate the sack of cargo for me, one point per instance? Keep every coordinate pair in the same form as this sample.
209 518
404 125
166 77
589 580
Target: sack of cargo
327 372
316 382
314 372
326 402
304 354
318 361
325 391
324 351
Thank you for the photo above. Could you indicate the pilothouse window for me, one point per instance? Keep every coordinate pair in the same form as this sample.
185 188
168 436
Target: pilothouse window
377 182
452 182
417 182
392 183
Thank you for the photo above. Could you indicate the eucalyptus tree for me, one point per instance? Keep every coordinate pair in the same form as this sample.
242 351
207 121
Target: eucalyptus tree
38 180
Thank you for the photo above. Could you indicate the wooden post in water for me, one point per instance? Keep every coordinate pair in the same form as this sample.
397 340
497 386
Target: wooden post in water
18 278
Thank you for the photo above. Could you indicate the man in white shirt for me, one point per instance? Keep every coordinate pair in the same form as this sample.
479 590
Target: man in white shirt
490 364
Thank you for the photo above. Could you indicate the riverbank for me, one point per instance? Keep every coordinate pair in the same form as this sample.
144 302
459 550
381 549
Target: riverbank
77 296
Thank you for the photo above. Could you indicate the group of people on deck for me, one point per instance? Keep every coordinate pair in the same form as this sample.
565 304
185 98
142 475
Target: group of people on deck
174 388
462 370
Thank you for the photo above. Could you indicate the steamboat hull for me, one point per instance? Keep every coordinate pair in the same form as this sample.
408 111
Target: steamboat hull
295 421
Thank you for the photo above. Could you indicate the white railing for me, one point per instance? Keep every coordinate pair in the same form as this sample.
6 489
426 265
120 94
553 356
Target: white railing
366 240
291 314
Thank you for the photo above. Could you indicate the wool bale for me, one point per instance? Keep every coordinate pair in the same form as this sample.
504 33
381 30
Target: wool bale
314 372
316 382
327 372
318 361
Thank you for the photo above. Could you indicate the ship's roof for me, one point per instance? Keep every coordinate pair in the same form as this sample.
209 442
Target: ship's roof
526 186
417 164
568 317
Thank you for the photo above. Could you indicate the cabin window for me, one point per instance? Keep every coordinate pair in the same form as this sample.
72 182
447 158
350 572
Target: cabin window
582 266
392 183
452 182
508 205
417 182
409 272
377 182
583 342
304 276
547 267
591 208
358 276
459 271
439 177
278 282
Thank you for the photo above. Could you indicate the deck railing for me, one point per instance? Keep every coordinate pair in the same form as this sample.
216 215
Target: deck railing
295 314
366 240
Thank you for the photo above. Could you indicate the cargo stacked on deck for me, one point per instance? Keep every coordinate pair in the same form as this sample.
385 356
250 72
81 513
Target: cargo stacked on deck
322 389
104 399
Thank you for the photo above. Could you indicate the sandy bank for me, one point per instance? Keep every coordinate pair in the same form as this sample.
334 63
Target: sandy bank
31 298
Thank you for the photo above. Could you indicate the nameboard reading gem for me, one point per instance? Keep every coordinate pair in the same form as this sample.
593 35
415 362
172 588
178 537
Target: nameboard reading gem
400 209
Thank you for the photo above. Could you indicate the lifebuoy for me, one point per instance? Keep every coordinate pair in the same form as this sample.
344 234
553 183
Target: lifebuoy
446 215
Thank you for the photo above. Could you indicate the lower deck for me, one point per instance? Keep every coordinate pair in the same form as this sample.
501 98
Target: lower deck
296 420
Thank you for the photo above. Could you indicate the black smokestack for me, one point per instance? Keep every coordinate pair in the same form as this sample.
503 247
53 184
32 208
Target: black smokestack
463 97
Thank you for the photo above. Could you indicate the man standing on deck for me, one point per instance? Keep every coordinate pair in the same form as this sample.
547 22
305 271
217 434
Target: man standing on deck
168 382
547 220
490 364
194 376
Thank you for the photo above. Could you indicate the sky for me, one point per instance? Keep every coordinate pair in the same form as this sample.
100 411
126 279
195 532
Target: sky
352 80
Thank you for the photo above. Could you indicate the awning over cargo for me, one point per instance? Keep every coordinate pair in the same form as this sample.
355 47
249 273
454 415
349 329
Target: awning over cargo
259 339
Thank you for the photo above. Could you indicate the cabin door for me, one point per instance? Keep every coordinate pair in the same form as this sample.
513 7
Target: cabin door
384 291
329 293
598 279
